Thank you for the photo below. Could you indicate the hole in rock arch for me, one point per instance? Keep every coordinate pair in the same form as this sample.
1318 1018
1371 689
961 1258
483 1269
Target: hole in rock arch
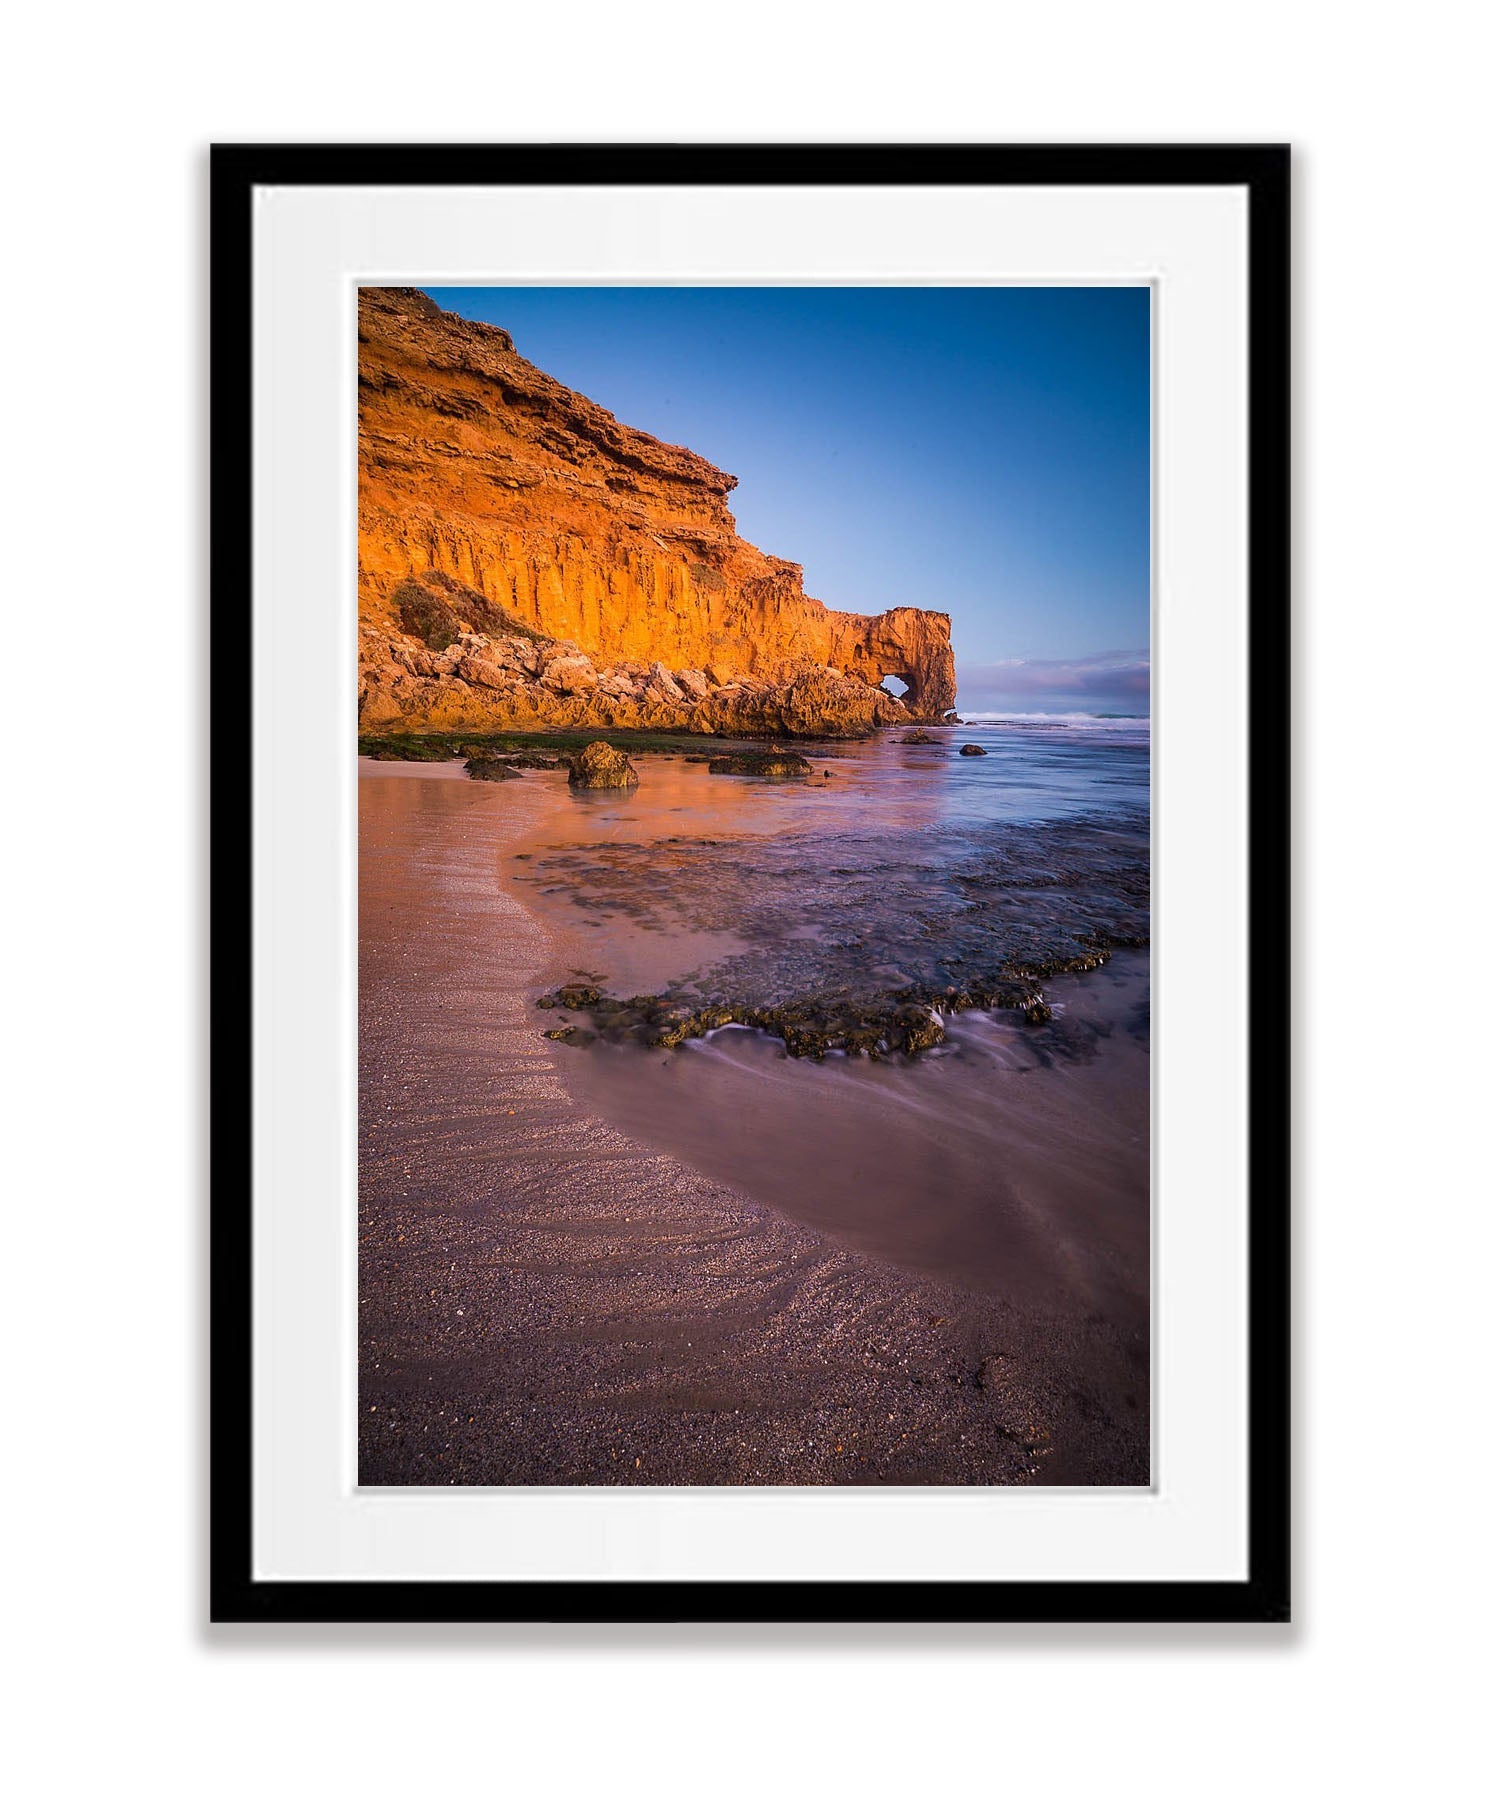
896 685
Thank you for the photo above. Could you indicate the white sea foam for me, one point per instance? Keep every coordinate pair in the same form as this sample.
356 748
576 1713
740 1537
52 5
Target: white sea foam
1076 721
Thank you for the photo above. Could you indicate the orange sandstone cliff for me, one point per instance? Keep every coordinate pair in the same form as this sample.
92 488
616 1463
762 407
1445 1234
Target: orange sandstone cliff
525 559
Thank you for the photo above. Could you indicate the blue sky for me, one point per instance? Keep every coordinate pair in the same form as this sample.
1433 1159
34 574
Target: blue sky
983 451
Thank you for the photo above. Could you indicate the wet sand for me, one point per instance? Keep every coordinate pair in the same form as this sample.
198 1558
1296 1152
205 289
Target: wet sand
985 1164
561 1280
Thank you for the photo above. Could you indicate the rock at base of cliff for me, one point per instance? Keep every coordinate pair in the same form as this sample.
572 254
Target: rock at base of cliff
776 763
494 684
570 675
600 765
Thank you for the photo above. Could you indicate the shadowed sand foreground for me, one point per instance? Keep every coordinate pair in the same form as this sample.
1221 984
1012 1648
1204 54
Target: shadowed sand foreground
545 1300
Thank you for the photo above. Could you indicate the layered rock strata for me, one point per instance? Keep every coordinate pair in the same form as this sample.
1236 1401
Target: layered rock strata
527 560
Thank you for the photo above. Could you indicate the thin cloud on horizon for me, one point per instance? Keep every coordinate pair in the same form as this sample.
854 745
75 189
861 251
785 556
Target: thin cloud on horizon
1116 680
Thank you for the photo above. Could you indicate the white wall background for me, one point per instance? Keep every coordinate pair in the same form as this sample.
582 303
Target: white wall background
1378 1688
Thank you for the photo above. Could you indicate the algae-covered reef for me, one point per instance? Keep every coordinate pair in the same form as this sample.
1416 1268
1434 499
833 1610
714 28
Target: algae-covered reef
870 952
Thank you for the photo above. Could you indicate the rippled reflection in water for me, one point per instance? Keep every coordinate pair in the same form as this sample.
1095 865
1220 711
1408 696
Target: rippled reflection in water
1012 1158
892 865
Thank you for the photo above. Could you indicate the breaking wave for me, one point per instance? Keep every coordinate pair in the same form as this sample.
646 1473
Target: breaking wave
1075 721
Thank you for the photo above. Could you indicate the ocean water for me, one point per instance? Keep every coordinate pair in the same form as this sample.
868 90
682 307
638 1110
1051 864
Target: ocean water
892 864
1012 1158
719 1264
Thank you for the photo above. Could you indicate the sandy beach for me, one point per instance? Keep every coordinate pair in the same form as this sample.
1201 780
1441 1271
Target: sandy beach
562 1280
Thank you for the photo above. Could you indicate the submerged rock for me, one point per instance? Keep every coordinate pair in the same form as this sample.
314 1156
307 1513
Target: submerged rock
776 763
600 765
972 750
919 737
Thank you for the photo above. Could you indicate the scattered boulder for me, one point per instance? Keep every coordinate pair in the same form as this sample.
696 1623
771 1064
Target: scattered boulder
479 673
663 683
517 653
600 765
819 704
779 764
919 737
972 750
570 675
488 764
416 661
490 768
529 759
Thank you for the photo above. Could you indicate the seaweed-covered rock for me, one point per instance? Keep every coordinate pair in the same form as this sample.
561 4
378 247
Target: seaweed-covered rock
914 1028
404 749
972 750
529 759
575 996
903 1022
779 764
490 768
600 765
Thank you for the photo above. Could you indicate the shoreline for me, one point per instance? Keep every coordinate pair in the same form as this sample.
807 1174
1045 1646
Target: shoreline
544 1299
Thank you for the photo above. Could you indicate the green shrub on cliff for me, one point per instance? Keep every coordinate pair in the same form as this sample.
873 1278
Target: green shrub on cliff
435 608
425 615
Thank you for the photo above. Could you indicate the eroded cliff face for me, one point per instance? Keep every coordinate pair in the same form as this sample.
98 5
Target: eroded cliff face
524 559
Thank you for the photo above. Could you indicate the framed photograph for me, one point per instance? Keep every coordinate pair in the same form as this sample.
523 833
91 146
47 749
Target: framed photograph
750 928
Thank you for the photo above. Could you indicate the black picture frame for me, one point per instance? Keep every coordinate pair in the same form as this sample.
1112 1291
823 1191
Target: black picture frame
1263 171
